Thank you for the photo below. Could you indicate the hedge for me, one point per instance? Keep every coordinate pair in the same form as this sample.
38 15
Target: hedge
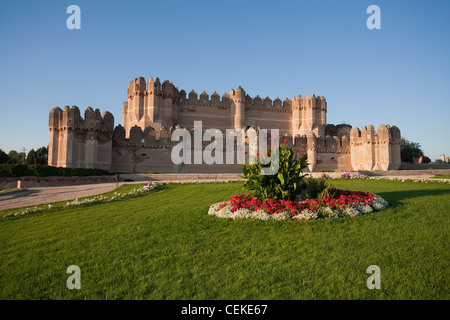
20 170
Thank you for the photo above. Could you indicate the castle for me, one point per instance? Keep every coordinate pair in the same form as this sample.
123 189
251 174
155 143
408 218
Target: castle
154 109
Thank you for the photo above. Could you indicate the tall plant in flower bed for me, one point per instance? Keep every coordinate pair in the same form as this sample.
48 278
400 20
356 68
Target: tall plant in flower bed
286 184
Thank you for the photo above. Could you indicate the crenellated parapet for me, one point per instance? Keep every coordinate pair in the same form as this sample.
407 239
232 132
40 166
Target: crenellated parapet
325 153
155 104
213 101
70 119
148 138
372 150
80 142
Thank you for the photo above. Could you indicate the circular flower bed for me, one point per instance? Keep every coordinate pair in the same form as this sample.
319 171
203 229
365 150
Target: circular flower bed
342 204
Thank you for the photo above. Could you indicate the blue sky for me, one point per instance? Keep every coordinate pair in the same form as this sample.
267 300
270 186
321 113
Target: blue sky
398 75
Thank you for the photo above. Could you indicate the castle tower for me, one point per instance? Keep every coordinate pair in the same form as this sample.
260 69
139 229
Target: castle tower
375 151
394 148
369 139
168 99
78 142
356 149
322 115
382 159
67 148
345 158
151 111
308 115
135 106
312 153
91 142
296 120
238 99
53 145
63 127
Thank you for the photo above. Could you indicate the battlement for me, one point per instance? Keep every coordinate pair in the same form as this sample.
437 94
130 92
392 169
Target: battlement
256 103
139 88
385 134
70 119
80 142
373 150
159 104
148 138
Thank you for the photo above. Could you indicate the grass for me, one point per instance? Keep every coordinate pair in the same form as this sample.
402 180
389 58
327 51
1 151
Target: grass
163 245
441 176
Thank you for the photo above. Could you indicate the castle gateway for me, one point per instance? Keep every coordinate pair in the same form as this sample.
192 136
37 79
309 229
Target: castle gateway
153 110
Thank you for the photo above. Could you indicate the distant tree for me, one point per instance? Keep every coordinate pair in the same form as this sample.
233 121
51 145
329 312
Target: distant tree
410 150
15 157
3 157
42 155
426 159
31 157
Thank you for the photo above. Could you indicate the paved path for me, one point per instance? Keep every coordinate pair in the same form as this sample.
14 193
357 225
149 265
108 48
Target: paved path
36 196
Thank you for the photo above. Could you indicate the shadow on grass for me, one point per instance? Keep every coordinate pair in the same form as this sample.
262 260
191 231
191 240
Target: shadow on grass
395 198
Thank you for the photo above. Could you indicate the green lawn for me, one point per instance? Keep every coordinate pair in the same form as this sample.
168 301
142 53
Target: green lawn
163 245
441 176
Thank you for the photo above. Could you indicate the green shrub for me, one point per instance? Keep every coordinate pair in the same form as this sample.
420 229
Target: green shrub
286 184
20 170
5 170
317 188
328 192
44 171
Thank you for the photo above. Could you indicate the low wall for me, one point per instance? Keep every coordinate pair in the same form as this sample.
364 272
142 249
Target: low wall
424 166
428 171
33 182
180 177
391 173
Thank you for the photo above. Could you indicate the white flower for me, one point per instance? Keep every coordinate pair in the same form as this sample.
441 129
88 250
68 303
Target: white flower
214 208
379 205
225 212
284 215
351 212
241 213
327 212
261 215
338 213
363 209
306 215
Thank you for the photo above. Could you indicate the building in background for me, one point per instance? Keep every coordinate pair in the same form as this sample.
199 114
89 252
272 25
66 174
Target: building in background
154 109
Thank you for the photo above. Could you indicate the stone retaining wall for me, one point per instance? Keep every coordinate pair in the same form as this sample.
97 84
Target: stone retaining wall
180 177
33 182
424 166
